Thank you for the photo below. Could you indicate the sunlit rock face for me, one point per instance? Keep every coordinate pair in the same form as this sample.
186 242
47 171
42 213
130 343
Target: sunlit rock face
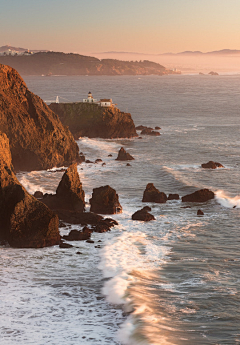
37 138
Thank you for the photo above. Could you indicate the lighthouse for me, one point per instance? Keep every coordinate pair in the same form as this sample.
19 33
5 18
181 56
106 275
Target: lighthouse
90 98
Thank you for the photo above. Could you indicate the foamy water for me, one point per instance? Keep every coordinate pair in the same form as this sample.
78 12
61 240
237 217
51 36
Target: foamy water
174 280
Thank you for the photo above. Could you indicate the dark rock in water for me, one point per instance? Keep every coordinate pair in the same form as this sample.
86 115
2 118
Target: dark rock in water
65 245
110 155
201 195
143 215
173 197
128 165
76 235
38 195
123 155
90 241
89 162
152 194
25 222
200 213
69 194
139 137
79 253
93 121
234 206
157 127
185 207
83 218
140 128
98 160
149 131
212 165
105 201
213 73
98 246
104 225
62 225
103 164
38 140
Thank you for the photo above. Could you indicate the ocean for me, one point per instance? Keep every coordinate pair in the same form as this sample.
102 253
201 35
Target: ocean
172 281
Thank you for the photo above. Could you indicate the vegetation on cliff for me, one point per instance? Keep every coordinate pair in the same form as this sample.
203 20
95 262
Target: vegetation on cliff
93 121
38 140
45 63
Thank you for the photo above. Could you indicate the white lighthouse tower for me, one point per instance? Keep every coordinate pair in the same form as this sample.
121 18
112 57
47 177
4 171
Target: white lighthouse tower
90 98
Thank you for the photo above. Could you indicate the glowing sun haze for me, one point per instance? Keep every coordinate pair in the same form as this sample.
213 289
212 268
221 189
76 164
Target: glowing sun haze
146 26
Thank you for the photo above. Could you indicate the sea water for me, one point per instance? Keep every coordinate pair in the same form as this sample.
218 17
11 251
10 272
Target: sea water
174 280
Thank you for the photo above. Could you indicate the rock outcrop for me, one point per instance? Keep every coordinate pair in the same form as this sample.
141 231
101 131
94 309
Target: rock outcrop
173 197
105 201
152 194
123 155
201 195
76 235
200 213
93 121
69 194
143 215
25 222
149 131
212 165
37 138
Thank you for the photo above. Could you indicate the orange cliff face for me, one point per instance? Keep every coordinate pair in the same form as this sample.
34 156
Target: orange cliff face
37 138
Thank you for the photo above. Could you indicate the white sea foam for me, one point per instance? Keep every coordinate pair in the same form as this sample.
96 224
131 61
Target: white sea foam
226 200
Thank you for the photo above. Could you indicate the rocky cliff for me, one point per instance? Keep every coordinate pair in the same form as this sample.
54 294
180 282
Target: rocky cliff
38 140
93 121
24 221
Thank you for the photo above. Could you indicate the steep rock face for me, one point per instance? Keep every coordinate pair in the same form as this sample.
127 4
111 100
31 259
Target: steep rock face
38 140
93 121
201 195
24 221
152 194
69 194
105 201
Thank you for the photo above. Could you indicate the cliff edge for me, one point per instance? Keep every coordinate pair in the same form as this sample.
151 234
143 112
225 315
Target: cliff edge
93 121
38 140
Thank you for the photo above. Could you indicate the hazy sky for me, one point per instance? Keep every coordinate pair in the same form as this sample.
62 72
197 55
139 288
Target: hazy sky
147 26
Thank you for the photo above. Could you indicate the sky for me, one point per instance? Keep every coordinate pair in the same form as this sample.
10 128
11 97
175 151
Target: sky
144 26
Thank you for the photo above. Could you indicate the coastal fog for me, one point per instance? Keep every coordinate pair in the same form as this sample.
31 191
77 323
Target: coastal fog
187 63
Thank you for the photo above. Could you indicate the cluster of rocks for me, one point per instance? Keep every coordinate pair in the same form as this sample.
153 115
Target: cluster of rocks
148 130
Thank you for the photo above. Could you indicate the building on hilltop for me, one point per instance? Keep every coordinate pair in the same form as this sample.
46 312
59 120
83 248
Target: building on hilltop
90 98
102 103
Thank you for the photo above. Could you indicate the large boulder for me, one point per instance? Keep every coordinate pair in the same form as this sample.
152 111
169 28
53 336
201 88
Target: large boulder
38 140
105 201
91 120
212 165
69 194
25 222
123 155
152 194
201 195
143 215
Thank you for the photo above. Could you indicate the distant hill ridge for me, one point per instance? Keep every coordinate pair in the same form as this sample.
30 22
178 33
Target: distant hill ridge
58 63
187 52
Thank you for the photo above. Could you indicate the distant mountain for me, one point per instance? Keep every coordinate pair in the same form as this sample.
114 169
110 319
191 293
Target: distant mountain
187 52
55 63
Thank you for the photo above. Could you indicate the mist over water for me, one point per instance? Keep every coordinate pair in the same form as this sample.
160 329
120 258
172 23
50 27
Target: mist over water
174 280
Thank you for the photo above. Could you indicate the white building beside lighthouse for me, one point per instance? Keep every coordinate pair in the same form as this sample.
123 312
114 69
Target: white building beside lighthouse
90 98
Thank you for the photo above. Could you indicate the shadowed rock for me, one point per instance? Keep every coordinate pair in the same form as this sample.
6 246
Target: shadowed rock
76 235
105 201
149 131
123 155
200 213
201 195
212 165
38 140
173 197
152 194
25 222
143 215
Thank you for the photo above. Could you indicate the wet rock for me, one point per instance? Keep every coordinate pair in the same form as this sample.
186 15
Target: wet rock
173 197
38 195
65 245
110 155
152 194
200 213
149 131
38 140
104 225
140 127
90 241
62 225
123 155
105 201
128 165
157 127
98 160
82 218
79 253
25 222
76 235
89 162
212 165
143 215
69 194
201 195
103 164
